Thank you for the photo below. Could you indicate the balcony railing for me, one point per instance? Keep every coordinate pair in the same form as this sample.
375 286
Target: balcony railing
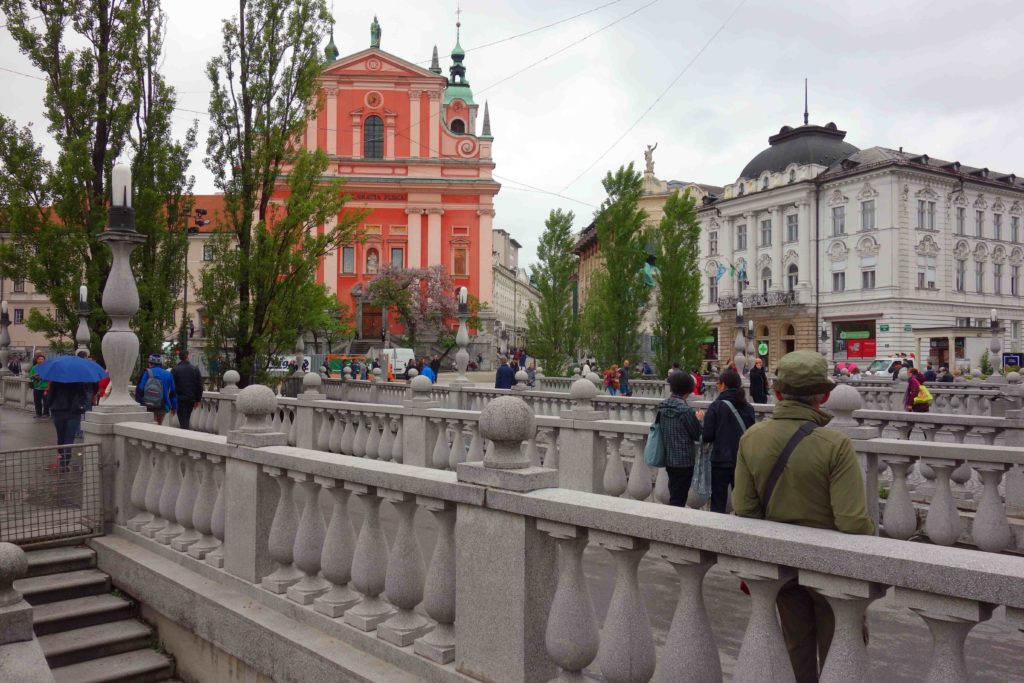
758 300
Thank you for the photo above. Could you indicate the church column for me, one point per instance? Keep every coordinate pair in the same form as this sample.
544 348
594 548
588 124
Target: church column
414 123
435 123
727 238
778 237
389 135
434 237
805 250
357 131
415 233
332 120
331 259
486 279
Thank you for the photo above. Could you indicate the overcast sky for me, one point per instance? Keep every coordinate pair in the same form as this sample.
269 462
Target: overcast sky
939 77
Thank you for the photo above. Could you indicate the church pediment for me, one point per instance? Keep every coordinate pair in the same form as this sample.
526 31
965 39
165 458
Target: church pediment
373 62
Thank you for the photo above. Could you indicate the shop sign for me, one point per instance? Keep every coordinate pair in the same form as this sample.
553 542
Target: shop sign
883 327
762 349
908 328
855 334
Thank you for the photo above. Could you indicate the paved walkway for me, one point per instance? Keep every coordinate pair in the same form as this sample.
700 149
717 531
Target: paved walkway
899 647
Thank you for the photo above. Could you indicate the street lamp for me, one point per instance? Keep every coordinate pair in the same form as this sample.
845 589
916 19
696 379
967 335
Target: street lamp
462 336
82 334
740 345
824 338
995 346
5 339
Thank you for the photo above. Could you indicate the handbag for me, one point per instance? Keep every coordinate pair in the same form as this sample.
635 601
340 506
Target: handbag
654 449
923 395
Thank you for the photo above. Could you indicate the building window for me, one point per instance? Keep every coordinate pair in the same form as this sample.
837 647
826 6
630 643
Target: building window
792 175
925 215
792 228
19 316
713 243
979 277
348 260
764 183
19 286
926 269
1015 329
838 220
792 277
961 275
207 252
373 138
766 280
867 215
741 237
1014 229
397 257
867 279
997 278
766 233
1015 280
460 265
997 226
961 219
459 127
839 281
979 223
713 289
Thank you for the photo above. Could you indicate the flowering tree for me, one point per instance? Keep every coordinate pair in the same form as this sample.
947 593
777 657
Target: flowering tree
423 299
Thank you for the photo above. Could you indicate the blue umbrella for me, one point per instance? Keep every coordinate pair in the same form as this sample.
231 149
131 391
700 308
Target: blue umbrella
70 369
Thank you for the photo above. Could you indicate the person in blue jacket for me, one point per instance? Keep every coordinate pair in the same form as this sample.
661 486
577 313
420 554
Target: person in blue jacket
505 377
168 398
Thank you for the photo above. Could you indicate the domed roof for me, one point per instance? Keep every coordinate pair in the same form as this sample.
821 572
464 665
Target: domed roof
822 145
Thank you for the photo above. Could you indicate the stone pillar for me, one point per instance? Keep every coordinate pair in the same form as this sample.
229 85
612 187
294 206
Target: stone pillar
227 411
727 238
434 235
21 657
804 250
357 131
485 240
305 413
503 554
414 122
332 120
581 463
414 228
778 237
435 125
416 441
250 496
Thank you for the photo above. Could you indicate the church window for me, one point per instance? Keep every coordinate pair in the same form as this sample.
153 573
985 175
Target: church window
838 220
372 262
460 262
348 260
741 237
792 277
766 280
792 228
867 215
458 126
397 257
373 138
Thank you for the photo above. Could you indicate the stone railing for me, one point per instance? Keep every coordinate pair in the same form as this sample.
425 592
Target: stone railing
949 398
242 513
16 391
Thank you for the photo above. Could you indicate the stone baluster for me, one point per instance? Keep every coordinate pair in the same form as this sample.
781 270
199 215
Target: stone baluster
991 529
571 637
336 557
899 517
197 417
458 449
662 494
847 658
369 564
476 443
614 481
359 439
215 558
403 581
690 652
949 620
348 434
397 445
333 426
185 507
275 422
281 541
551 454
154 488
140 484
962 474
641 480
942 525
202 514
169 499
626 653
531 451
291 422
309 543
387 439
763 655
439 588
323 433
372 437
441 452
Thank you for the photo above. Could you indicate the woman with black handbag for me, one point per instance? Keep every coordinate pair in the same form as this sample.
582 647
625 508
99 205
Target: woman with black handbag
727 418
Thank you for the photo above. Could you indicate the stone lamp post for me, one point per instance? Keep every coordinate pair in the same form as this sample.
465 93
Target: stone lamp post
5 339
120 294
994 347
462 337
740 345
751 347
82 334
300 353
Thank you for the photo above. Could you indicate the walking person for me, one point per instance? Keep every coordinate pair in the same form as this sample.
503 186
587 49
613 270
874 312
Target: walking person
917 398
39 386
792 469
188 383
611 380
680 428
624 379
727 418
155 389
67 402
929 373
505 376
758 382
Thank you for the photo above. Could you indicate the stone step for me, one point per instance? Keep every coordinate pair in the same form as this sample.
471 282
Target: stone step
138 666
55 617
92 642
39 590
57 560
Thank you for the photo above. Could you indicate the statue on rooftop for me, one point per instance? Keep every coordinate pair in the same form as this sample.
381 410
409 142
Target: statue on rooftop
649 157
375 33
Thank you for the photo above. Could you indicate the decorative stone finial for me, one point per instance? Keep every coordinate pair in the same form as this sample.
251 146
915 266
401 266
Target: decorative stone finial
507 421
843 400
421 388
435 64
256 402
312 382
538 373
13 566
413 373
231 380
521 379
583 392
376 374
1013 377
576 372
347 372
595 378
586 369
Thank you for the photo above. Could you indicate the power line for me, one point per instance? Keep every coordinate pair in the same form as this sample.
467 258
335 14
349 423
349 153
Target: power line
658 98
531 188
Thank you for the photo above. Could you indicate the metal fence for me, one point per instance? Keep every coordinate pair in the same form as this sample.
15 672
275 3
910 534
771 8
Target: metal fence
50 493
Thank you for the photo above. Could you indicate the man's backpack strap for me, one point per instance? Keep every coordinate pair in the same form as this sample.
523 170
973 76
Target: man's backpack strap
780 464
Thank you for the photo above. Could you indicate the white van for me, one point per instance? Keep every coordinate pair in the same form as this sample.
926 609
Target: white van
401 360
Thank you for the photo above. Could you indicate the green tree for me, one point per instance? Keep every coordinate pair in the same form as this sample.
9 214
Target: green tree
618 297
264 90
678 323
553 330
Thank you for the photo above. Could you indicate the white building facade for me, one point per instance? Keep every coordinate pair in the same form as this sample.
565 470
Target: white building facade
513 293
864 253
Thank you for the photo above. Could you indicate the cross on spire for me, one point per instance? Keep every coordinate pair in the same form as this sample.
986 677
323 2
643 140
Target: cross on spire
458 20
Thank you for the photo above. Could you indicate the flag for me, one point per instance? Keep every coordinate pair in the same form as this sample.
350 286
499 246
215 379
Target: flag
720 273
743 271
732 271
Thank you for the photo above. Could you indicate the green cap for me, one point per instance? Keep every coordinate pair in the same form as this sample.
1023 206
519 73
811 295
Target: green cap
803 373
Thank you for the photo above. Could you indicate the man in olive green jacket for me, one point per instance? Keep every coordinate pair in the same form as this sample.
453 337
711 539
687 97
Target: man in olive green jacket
821 486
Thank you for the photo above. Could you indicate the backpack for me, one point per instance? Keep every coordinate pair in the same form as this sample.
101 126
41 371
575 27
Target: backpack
153 392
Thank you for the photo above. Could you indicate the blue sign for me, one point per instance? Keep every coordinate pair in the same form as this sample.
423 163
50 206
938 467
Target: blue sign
1011 359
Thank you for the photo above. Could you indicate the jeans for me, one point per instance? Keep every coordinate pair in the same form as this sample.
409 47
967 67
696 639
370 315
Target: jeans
39 397
722 478
185 406
679 479
68 425
611 391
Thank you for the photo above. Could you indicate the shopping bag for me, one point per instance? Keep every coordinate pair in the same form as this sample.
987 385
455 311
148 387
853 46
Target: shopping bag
654 450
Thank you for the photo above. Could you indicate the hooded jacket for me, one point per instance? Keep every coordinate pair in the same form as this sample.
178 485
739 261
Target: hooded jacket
680 430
